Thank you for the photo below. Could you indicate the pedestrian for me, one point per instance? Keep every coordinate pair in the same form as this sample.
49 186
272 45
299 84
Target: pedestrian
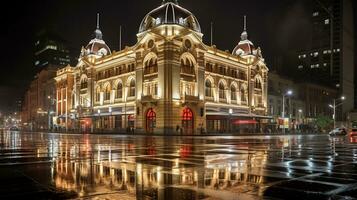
177 128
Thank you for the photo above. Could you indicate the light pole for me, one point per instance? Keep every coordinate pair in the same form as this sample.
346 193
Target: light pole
300 117
334 106
288 93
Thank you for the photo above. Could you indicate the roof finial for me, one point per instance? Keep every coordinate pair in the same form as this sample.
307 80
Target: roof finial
97 20
98 33
244 35
245 22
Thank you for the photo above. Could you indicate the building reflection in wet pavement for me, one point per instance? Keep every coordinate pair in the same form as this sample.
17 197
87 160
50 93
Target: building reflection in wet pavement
138 167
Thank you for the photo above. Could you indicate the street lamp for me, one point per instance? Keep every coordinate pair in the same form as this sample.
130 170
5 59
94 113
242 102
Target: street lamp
288 93
334 106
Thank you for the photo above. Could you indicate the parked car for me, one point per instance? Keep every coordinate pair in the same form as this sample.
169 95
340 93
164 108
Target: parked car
14 128
353 132
338 131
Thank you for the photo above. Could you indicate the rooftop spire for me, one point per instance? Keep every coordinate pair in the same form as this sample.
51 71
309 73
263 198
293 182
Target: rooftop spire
245 22
97 20
244 35
167 1
98 33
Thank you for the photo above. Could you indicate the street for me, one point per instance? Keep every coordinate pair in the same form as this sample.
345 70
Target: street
69 166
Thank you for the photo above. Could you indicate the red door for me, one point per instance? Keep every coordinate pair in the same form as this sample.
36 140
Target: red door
150 120
187 121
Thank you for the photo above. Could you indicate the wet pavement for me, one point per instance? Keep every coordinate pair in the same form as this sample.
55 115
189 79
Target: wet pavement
75 166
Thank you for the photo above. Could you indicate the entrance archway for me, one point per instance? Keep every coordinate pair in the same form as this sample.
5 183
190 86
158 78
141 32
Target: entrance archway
187 121
150 120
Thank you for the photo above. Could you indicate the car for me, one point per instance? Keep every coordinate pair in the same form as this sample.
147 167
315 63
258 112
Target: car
14 128
353 132
338 131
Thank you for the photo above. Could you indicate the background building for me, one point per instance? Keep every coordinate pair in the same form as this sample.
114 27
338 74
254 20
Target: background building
50 49
330 60
38 102
307 101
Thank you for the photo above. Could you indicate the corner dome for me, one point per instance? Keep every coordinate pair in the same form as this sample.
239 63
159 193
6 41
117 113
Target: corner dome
97 45
245 46
169 13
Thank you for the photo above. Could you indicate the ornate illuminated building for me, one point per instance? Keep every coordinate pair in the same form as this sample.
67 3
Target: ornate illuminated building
168 82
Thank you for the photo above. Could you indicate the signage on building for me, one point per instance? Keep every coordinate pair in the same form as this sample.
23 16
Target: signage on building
284 122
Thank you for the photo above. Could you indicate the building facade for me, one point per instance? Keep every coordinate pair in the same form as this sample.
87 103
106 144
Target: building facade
307 101
38 103
50 49
331 57
168 82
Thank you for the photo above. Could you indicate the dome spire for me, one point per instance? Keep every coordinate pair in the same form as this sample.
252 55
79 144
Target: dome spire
97 20
98 33
244 35
167 1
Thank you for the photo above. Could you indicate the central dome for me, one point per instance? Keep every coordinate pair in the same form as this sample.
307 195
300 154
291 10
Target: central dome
169 13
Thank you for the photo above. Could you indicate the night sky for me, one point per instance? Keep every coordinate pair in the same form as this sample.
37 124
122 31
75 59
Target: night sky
278 27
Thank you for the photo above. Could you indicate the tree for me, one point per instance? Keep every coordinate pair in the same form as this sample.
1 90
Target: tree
323 122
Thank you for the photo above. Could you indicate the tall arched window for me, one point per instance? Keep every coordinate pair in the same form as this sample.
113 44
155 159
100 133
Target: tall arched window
97 94
119 91
132 88
107 93
84 83
258 84
187 66
243 95
208 88
151 66
233 93
222 94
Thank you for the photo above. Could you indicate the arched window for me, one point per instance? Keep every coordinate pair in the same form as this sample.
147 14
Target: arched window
84 83
242 95
107 93
187 66
233 93
151 66
208 88
97 94
132 88
258 84
222 94
119 91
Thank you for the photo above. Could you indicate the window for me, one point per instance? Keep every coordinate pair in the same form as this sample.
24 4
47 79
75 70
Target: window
97 94
107 93
151 66
258 84
243 95
132 88
119 91
315 14
187 66
222 94
327 21
208 88
84 83
233 93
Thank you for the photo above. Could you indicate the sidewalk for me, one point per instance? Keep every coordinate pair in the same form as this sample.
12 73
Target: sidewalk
180 135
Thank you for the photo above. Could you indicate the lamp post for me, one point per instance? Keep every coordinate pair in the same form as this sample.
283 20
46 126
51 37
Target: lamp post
300 117
288 93
334 106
